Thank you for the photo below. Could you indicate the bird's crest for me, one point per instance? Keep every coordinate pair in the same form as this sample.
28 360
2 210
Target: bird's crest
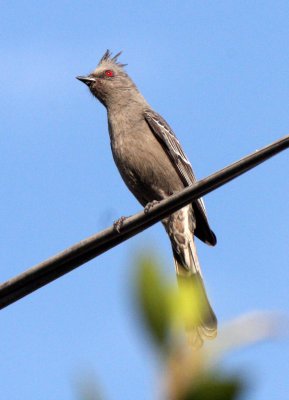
107 58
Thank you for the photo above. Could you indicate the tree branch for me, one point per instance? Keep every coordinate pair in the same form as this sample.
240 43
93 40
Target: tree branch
71 258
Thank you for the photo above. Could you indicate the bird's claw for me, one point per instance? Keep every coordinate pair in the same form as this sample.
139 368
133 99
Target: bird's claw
150 205
117 225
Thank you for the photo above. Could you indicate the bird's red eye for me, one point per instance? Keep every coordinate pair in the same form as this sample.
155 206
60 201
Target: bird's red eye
109 73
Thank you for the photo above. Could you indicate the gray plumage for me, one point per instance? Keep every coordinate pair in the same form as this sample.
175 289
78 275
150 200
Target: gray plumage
153 166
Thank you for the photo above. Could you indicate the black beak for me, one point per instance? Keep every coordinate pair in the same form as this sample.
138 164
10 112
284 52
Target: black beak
88 80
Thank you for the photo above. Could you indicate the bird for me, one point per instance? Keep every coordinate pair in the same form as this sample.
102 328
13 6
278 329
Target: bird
153 165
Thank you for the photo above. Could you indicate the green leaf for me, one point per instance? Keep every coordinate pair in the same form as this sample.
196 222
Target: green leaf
187 306
214 388
153 293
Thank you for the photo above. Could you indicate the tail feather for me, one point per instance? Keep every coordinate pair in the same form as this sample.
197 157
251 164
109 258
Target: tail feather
188 270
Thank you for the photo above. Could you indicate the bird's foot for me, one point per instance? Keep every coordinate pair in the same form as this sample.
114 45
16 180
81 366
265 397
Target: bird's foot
150 205
117 225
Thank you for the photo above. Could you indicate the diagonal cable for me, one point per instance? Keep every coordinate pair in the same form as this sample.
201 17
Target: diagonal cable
91 247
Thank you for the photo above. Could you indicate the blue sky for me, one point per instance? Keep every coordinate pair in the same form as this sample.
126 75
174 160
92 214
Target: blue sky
218 72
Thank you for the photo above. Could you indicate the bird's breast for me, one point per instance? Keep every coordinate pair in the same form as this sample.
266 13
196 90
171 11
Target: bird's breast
142 162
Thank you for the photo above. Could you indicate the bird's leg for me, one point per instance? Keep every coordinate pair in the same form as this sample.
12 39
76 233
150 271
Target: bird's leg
150 205
117 225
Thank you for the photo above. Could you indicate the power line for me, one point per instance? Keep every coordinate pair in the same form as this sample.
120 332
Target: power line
91 247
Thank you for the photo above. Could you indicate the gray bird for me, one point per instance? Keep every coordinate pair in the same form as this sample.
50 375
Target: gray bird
153 165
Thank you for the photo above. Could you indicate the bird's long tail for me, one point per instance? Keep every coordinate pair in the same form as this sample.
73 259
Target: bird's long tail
189 272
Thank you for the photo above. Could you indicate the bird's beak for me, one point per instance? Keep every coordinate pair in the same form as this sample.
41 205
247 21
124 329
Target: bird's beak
88 80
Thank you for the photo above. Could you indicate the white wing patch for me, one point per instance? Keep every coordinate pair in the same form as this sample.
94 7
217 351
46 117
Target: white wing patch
166 135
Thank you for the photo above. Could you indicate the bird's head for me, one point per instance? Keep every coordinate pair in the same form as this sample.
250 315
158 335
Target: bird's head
109 82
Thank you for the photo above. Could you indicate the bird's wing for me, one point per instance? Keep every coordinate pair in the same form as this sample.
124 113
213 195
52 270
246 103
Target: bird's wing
169 141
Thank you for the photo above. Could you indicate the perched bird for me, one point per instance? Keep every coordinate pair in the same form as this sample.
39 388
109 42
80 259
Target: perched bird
153 166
